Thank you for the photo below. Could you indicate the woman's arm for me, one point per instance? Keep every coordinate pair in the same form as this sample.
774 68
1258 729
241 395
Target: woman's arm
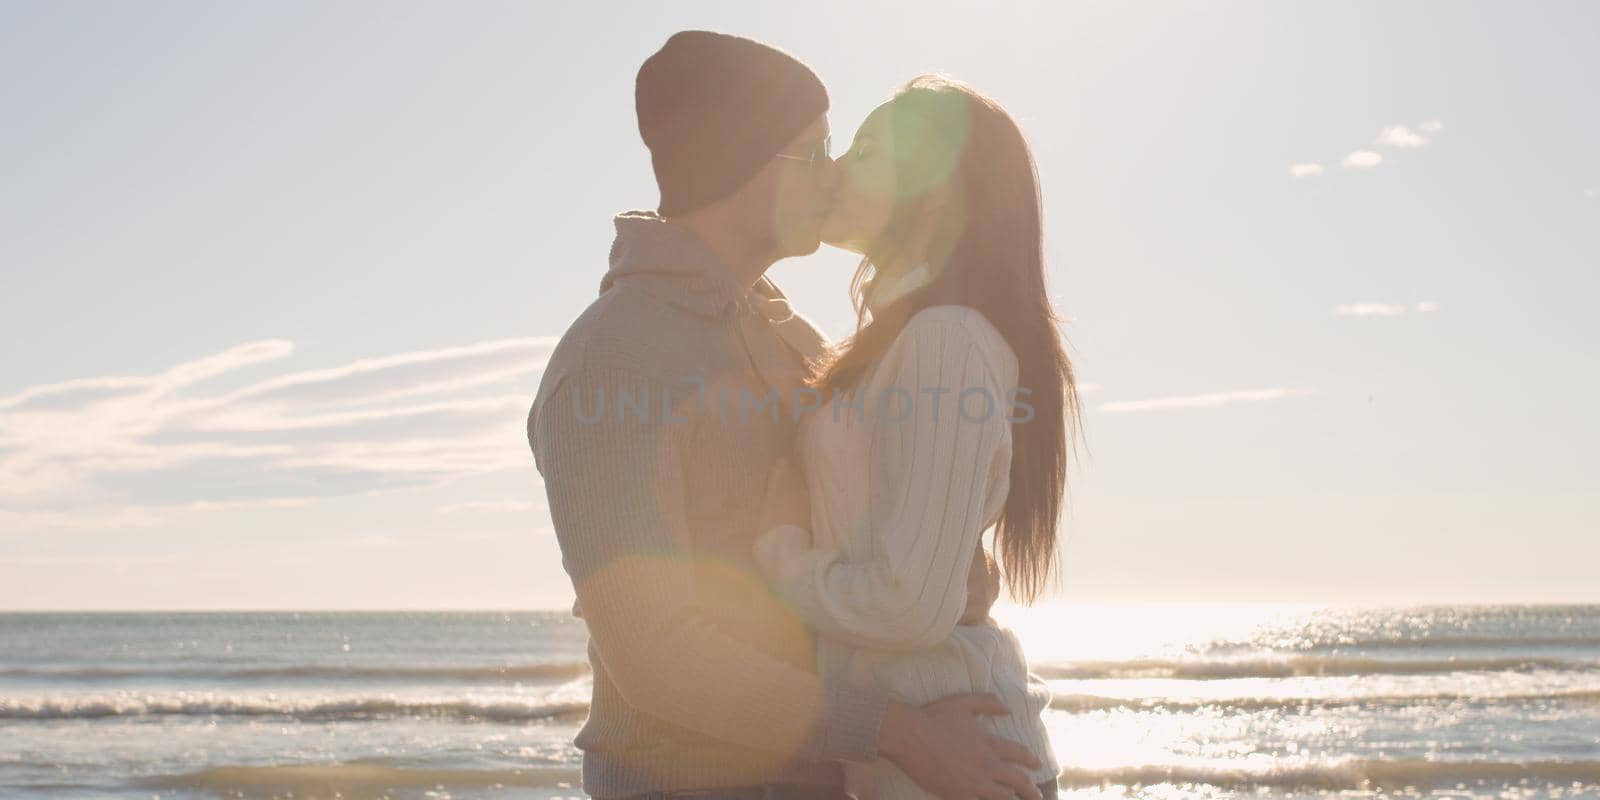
939 468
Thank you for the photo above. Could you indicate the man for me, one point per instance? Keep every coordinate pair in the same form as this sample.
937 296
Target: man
656 423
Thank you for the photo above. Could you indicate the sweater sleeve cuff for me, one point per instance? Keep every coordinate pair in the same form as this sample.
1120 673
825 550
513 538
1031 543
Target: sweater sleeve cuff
851 719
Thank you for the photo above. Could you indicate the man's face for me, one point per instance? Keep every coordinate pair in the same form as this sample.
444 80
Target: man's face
801 178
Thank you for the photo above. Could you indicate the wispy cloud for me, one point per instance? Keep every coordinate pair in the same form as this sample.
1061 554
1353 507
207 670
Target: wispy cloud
489 507
86 392
109 452
1362 159
404 375
1307 170
1209 400
127 517
119 562
1382 309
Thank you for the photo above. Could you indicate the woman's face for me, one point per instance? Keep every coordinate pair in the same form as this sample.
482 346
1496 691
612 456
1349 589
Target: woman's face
864 196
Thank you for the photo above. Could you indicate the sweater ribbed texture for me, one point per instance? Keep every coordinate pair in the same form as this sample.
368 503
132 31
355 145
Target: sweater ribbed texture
897 509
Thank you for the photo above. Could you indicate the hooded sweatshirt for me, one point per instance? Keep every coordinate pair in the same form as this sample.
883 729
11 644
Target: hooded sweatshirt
658 417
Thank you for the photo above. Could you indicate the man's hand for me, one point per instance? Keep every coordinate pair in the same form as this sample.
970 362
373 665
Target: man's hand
944 750
983 587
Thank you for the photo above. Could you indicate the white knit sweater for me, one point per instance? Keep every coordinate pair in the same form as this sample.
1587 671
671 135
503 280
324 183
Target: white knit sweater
897 509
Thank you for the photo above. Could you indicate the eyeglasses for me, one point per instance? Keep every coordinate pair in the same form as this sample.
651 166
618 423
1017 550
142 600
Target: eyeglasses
818 153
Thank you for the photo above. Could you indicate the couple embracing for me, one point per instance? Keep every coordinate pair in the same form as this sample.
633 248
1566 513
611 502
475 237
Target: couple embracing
784 576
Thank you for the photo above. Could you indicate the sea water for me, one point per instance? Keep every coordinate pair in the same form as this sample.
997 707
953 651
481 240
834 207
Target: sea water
1170 700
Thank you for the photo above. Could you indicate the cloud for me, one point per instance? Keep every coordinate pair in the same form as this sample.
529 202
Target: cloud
1402 137
74 394
115 451
119 562
1399 137
490 507
278 424
78 394
408 374
1211 400
1369 310
1362 159
130 517
1382 309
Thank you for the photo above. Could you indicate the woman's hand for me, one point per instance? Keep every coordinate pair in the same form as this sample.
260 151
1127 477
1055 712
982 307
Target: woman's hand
787 502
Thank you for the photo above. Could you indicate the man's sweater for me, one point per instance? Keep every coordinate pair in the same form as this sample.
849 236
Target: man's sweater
654 431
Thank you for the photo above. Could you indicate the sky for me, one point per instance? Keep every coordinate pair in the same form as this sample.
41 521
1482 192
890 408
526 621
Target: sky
277 281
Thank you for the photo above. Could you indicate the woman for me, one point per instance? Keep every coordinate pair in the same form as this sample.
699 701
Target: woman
947 412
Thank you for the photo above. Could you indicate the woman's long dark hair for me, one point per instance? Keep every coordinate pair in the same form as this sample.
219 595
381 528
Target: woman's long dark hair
986 252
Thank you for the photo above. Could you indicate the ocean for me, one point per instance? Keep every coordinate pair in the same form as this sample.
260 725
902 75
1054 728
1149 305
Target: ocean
1151 700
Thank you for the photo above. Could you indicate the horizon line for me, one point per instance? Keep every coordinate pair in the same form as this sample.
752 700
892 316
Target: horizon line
568 611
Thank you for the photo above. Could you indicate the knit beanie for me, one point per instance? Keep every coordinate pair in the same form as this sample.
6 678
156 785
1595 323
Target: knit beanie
714 108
